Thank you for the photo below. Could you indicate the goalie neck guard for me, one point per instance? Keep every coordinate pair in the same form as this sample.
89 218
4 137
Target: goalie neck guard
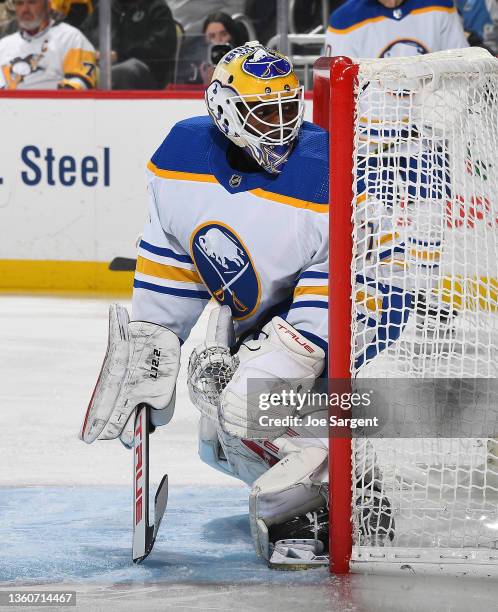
255 100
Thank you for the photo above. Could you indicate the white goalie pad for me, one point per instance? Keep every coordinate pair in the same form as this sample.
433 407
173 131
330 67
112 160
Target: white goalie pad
140 367
282 360
292 487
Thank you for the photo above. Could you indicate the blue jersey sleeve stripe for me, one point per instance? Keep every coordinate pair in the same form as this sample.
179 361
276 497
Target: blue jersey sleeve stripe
314 275
164 252
309 304
389 252
425 243
188 293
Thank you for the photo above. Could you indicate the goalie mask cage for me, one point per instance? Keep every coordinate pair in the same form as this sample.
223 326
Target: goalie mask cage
413 204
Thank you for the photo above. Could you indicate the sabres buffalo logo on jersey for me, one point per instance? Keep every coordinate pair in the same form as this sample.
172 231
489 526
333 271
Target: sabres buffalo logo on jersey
226 268
403 47
266 65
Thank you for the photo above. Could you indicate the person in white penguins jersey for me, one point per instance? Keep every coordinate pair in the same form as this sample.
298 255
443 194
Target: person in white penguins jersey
393 28
239 213
44 54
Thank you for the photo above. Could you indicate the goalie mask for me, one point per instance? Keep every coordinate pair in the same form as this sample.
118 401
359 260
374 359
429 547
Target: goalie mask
255 99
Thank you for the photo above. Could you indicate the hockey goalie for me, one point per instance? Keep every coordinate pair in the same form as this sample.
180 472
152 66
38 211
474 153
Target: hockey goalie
239 214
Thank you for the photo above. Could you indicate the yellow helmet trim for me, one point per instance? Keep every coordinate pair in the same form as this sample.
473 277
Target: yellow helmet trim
232 74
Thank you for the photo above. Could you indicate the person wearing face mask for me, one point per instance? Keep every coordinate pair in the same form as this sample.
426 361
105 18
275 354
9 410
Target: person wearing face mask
393 28
44 54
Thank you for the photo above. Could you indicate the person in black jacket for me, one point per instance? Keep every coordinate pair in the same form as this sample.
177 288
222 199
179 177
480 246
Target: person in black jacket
143 43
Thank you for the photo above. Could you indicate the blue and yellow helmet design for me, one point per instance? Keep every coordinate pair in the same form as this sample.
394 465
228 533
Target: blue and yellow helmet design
256 100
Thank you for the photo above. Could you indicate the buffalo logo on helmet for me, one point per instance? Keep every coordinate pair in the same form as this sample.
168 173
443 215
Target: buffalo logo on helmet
226 268
265 64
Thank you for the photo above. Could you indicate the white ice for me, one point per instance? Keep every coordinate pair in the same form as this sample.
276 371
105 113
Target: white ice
65 507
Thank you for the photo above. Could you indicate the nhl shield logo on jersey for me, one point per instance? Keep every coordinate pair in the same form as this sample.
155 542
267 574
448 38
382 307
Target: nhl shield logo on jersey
265 64
226 268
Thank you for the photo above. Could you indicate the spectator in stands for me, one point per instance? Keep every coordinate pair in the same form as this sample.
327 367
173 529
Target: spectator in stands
219 28
480 20
44 54
199 59
73 12
393 28
220 33
143 43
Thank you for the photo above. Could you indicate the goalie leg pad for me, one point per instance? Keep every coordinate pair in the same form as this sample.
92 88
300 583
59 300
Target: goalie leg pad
210 450
290 488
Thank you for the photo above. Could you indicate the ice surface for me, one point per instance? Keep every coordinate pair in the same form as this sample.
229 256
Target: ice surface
65 507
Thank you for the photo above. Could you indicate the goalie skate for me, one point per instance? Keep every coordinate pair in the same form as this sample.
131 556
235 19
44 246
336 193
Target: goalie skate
298 555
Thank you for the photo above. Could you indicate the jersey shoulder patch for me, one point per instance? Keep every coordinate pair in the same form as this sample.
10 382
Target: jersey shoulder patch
186 147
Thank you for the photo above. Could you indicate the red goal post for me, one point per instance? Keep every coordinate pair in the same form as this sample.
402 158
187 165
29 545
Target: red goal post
334 110
445 117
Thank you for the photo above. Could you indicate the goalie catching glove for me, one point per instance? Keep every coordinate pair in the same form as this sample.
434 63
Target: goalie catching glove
140 367
282 360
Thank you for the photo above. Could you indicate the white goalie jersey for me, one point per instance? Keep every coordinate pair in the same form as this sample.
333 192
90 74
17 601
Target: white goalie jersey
256 243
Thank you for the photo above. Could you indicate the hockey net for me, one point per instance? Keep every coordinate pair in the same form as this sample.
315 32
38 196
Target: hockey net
414 295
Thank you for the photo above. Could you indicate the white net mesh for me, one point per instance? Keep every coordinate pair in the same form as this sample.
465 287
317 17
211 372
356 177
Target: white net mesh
425 268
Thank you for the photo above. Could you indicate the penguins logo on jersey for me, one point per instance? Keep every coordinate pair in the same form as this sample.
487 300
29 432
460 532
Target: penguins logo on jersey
20 68
265 65
226 268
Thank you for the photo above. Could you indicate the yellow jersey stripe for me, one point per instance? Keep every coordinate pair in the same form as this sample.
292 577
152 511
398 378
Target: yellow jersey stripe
81 63
289 201
427 9
426 255
181 176
260 193
372 303
302 290
356 25
152 268
388 238
396 262
432 9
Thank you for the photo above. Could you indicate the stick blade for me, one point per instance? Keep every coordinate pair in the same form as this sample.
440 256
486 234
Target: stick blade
160 503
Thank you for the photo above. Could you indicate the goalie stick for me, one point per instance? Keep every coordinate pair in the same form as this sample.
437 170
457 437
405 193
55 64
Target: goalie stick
144 534
123 264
